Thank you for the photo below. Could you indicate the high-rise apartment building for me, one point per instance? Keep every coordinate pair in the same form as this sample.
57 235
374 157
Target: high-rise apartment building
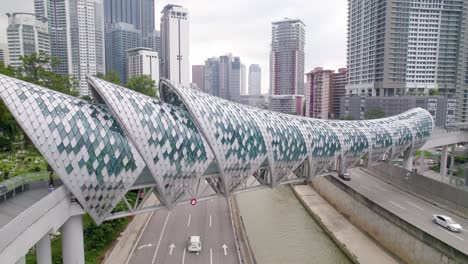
57 12
339 91
255 79
2 57
143 61
26 34
400 47
211 76
86 40
198 76
287 57
120 38
175 46
319 93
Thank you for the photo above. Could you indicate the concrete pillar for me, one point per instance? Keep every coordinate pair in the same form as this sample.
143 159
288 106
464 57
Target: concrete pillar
421 161
22 260
72 241
43 250
452 159
443 162
408 163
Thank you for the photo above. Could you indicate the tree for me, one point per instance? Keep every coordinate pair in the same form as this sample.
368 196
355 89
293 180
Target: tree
348 117
434 92
143 84
37 68
111 76
374 113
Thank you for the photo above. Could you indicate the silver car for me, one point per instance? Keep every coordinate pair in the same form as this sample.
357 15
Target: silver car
446 222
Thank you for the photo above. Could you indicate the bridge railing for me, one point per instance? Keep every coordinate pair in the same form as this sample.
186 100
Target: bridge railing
21 183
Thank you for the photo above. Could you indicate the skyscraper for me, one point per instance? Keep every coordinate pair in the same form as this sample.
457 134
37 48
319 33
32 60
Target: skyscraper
139 13
287 57
235 80
143 61
318 93
120 38
211 76
339 90
255 79
57 12
243 87
408 47
86 40
175 44
154 41
2 57
26 34
225 68
198 75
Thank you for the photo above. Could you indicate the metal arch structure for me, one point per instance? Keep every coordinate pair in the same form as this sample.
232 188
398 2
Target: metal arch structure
190 144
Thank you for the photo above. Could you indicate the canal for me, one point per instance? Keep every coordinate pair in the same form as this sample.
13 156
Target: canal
280 230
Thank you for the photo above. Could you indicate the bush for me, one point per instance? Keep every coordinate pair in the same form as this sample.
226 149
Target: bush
5 144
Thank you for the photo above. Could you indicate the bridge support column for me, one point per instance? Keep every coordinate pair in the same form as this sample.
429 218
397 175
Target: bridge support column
72 241
443 161
408 163
43 250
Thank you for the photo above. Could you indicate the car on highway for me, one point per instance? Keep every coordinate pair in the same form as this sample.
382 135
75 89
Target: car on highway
194 244
446 222
344 176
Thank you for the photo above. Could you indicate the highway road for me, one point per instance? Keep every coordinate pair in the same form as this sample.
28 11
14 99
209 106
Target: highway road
165 237
408 207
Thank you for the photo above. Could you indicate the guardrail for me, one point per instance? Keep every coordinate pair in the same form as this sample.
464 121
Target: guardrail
18 181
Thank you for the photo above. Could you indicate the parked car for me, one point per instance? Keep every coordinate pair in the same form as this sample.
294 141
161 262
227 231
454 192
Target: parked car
344 176
194 244
446 222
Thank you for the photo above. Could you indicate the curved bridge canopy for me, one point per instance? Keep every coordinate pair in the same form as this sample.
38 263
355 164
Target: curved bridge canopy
101 150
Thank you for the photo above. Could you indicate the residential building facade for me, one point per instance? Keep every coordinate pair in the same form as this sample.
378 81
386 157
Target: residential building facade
319 93
198 76
26 34
339 90
255 79
175 44
287 103
143 61
441 108
2 57
287 57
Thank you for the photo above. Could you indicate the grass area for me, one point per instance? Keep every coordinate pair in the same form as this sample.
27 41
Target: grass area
97 239
20 162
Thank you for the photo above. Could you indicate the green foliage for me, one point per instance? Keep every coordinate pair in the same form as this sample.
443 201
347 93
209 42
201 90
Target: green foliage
435 168
434 92
143 84
461 159
111 76
348 117
374 113
87 98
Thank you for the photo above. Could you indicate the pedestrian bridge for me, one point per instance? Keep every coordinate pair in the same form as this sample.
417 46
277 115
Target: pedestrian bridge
188 145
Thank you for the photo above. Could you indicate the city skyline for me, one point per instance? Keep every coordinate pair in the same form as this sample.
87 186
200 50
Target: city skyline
325 31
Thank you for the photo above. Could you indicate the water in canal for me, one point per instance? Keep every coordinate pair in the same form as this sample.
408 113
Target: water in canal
280 230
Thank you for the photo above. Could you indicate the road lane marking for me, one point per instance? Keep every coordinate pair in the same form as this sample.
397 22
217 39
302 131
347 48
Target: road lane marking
183 257
210 220
399 206
171 247
365 187
139 237
211 256
160 237
415 206
450 233
380 188
147 245
189 217
225 247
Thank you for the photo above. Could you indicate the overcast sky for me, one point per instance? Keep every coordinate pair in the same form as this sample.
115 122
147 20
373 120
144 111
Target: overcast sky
243 28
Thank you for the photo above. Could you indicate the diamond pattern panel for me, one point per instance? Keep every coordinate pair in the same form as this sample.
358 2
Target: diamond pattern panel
164 134
82 142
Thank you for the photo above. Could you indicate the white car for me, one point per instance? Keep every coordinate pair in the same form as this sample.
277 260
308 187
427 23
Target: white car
446 222
194 244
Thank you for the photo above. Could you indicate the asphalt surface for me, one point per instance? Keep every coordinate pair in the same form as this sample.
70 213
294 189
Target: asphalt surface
408 207
208 219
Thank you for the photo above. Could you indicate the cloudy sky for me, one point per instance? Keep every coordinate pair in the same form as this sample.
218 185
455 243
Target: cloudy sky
243 28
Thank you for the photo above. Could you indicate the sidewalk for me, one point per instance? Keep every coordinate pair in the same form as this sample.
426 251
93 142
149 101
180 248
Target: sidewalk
124 246
354 243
